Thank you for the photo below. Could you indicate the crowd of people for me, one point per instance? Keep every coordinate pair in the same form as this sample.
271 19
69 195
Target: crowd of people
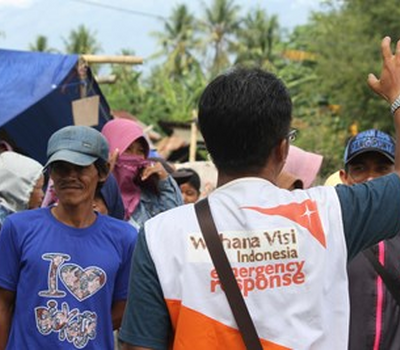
104 238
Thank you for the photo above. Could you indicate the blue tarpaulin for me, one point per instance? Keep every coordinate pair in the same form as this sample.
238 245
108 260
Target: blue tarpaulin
36 94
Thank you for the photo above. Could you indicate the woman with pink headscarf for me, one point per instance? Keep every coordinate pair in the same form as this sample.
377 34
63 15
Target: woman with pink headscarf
146 187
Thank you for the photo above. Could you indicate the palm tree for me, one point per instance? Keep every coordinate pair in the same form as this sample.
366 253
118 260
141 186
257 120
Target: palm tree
41 44
257 39
220 24
82 41
178 41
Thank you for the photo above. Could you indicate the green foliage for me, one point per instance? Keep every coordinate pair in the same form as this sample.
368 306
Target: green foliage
172 99
157 97
127 94
41 44
336 50
348 47
218 26
82 41
257 38
177 43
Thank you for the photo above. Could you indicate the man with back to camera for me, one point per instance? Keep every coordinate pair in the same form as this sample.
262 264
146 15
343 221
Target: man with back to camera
288 250
64 269
374 312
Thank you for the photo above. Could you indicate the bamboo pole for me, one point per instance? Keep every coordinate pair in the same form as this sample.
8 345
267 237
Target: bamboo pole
193 137
112 59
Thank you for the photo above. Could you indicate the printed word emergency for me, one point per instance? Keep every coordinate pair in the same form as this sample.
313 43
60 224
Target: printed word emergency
265 276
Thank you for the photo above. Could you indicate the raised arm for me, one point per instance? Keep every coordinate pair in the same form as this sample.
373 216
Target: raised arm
388 86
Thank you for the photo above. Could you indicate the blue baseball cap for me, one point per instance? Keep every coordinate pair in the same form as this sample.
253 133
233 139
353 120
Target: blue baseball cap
80 145
370 141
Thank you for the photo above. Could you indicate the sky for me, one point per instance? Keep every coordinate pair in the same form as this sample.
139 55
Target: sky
117 24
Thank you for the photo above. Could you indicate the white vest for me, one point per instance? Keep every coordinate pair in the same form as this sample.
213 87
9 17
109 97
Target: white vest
288 253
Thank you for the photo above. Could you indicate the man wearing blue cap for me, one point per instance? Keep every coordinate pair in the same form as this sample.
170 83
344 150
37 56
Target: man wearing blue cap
375 313
64 269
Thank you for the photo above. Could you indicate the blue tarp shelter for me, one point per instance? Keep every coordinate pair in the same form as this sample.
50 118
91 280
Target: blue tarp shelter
36 94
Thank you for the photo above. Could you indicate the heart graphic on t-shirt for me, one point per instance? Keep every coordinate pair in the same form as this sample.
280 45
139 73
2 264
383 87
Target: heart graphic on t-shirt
82 283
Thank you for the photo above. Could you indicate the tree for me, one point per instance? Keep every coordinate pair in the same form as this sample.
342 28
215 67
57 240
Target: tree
347 38
128 92
82 41
329 92
171 99
41 44
220 23
320 125
257 38
177 42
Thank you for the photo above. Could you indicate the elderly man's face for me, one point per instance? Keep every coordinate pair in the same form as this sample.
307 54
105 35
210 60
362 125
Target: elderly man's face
74 184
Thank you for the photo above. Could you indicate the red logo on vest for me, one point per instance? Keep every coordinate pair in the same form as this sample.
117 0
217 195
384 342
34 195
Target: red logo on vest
305 214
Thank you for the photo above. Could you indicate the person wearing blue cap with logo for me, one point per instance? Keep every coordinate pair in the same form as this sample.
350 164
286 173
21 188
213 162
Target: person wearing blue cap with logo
64 269
374 311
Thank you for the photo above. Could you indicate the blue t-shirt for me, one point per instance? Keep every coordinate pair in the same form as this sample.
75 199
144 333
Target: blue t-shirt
4 212
66 279
370 213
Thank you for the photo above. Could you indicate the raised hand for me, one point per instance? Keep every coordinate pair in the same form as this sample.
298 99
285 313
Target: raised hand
388 84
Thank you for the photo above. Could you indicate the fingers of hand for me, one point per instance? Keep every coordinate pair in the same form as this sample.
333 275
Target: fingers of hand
152 168
375 85
372 81
385 48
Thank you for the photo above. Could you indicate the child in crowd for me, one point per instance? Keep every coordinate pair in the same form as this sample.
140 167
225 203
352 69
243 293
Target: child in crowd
189 183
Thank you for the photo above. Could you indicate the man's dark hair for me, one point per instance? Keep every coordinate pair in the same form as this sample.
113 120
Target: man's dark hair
243 115
103 168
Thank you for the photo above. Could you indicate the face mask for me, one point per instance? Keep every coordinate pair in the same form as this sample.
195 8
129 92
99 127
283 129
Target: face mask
127 171
130 166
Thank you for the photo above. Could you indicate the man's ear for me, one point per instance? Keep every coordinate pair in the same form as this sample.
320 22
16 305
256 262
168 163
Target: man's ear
282 151
344 176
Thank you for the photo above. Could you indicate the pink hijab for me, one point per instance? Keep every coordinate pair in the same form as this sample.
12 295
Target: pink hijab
120 133
304 165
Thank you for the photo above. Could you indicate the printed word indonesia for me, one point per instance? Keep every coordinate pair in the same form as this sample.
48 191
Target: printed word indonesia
263 277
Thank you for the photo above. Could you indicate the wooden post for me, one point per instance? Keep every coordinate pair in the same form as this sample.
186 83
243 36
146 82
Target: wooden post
193 137
90 59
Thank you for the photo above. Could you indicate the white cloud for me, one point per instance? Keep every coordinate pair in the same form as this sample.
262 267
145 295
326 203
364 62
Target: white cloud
16 3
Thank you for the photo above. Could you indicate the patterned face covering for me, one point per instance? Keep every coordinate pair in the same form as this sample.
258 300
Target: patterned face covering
127 171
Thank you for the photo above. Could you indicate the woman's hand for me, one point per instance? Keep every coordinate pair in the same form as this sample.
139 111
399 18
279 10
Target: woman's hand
154 168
